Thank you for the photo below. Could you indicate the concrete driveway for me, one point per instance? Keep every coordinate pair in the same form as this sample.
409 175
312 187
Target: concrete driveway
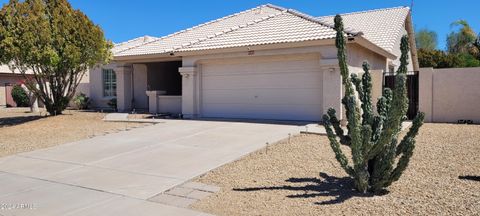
116 174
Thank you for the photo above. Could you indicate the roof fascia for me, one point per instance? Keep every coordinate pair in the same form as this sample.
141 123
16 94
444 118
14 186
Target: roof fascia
373 47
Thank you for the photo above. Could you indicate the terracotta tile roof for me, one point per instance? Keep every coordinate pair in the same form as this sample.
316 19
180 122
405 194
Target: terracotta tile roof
280 28
269 24
203 31
132 43
381 27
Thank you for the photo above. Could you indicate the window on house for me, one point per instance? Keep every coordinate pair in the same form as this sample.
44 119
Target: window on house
109 83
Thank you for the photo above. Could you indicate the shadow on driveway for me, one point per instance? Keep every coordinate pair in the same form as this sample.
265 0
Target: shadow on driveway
256 121
341 189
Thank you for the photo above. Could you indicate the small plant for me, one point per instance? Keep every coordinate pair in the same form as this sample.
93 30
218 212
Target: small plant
378 157
81 101
20 96
113 104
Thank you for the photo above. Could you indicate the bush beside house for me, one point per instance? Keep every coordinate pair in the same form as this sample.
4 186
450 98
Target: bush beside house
81 101
20 96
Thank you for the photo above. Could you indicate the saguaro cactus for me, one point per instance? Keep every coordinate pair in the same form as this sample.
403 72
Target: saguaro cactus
377 155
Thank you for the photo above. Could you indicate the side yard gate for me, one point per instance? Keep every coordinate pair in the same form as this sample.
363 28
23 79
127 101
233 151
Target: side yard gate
412 90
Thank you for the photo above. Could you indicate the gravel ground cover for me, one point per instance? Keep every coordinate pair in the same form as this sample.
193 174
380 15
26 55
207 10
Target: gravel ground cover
302 177
21 131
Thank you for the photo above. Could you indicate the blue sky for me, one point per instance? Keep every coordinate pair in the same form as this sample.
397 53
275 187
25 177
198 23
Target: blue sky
125 19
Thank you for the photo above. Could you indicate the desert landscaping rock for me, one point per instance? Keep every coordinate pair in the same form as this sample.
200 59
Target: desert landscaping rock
21 131
302 177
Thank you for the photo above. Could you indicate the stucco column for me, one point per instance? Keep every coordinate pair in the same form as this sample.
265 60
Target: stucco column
124 87
332 87
425 93
140 83
189 76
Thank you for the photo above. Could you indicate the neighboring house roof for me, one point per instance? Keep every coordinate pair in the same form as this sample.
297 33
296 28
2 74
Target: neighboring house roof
267 24
4 69
382 27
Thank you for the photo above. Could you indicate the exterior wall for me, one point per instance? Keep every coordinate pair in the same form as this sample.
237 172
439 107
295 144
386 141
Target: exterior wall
449 95
357 55
96 87
169 104
84 85
377 87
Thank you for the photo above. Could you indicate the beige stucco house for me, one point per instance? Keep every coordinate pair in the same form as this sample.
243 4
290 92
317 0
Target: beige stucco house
9 78
264 63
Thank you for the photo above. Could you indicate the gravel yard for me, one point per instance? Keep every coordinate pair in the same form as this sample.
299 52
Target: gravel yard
302 177
21 131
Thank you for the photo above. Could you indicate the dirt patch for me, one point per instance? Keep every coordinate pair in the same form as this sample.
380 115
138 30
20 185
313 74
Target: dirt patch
302 177
21 131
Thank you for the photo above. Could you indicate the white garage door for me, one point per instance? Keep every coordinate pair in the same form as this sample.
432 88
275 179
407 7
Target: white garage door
278 88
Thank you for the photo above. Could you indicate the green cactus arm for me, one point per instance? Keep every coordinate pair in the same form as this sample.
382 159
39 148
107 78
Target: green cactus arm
366 95
341 44
393 121
383 167
339 155
383 104
354 130
344 139
402 162
358 84
405 148
399 104
411 134
366 139
376 129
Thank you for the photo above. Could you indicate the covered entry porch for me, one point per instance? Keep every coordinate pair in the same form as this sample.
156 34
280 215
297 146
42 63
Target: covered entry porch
154 87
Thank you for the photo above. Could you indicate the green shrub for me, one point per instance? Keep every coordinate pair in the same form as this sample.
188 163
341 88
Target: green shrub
20 96
379 157
81 101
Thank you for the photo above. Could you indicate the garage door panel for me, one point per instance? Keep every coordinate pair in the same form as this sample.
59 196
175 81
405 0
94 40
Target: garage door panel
285 80
263 96
248 68
283 90
281 112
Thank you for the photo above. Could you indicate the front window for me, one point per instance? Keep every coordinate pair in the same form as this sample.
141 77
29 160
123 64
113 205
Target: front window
109 83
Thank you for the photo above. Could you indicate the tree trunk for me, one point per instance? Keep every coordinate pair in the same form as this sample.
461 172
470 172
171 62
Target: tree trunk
32 100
